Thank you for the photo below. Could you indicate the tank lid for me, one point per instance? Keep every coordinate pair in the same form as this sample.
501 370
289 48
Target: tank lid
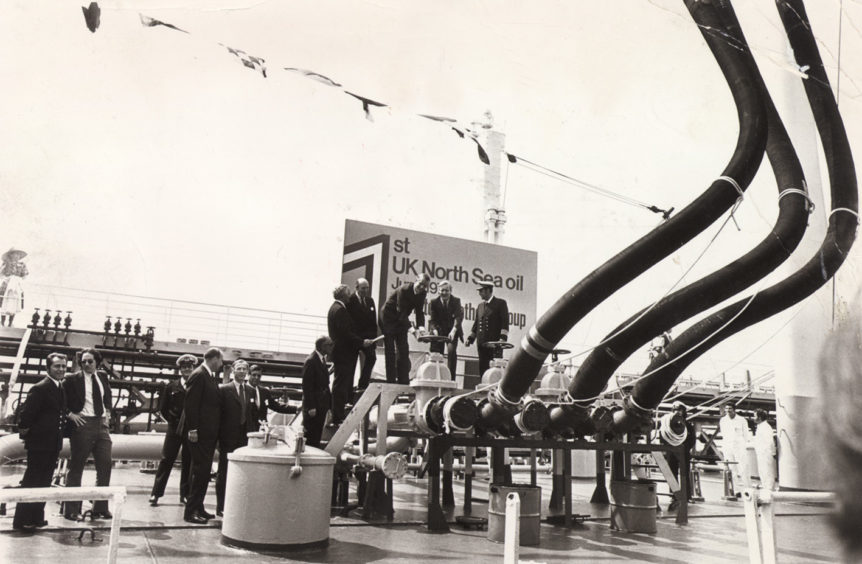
282 454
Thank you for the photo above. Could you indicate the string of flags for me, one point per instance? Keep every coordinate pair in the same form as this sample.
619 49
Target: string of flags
258 64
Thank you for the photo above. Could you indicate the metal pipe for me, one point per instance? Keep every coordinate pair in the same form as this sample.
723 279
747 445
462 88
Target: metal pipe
660 242
144 446
393 464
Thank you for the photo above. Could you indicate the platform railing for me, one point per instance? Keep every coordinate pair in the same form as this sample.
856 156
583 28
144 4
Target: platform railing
760 519
115 494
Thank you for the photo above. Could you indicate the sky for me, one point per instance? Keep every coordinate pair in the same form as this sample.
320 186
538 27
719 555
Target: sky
147 161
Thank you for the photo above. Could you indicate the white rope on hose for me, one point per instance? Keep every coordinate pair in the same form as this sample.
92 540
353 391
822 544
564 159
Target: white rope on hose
667 434
736 204
848 210
788 191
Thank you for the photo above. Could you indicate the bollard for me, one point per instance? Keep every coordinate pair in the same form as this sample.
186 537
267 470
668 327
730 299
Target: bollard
512 540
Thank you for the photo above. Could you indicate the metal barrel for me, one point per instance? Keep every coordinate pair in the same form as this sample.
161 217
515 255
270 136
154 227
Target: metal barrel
531 511
633 506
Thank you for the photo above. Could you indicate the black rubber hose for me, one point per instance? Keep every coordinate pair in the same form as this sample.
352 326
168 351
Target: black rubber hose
774 249
660 242
841 233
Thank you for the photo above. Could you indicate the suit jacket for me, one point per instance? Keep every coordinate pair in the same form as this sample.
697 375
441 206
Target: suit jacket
364 316
42 417
232 428
492 320
73 386
346 342
259 410
395 315
443 319
315 384
171 401
201 406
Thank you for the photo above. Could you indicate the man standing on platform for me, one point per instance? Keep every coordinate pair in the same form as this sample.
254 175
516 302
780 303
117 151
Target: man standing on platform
491 324
446 317
364 315
395 324
40 425
262 399
315 391
345 350
171 409
764 447
88 399
200 426
236 412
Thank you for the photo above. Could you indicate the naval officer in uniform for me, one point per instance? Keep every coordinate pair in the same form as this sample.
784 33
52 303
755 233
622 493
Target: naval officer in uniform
491 324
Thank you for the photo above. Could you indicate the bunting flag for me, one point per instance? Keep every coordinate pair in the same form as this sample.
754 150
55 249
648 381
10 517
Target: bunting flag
483 156
248 61
92 16
438 118
147 21
314 76
366 104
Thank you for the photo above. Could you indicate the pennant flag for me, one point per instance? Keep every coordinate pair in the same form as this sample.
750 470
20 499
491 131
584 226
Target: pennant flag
314 76
512 158
147 21
248 61
366 104
483 156
92 16
438 118
459 132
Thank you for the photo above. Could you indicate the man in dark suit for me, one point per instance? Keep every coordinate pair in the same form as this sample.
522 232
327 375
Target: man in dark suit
446 317
364 315
236 414
345 350
88 400
200 427
395 324
491 324
171 408
315 391
41 426
262 399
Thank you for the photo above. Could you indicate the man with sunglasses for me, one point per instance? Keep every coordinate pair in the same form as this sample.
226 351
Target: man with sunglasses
88 401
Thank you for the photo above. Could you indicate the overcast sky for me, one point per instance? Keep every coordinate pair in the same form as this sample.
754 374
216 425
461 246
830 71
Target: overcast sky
148 161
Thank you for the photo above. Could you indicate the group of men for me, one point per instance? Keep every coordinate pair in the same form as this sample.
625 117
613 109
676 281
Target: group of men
736 438
200 413
355 327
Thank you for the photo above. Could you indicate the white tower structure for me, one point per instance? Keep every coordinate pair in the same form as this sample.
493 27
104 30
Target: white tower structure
494 143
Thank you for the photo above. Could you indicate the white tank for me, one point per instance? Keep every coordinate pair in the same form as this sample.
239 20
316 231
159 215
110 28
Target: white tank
274 502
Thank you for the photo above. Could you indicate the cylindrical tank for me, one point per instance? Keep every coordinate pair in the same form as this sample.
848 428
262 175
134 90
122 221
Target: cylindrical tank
274 501
584 464
531 511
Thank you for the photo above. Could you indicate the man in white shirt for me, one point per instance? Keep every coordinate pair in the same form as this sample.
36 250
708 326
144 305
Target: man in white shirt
764 447
735 436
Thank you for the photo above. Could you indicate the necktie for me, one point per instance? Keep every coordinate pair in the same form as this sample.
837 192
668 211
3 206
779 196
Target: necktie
98 407
242 402
445 304
365 303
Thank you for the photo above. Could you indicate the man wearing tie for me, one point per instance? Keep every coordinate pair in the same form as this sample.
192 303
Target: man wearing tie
236 411
446 317
88 400
315 391
345 350
261 400
171 408
491 324
200 426
395 324
364 315
40 425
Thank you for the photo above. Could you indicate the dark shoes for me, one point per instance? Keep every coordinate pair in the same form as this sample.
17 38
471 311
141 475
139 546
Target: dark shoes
73 517
206 514
184 499
673 505
102 515
154 500
196 518
220 513
30 527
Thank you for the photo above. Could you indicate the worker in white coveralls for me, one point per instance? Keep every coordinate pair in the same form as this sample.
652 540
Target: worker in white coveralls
735 436
764 447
